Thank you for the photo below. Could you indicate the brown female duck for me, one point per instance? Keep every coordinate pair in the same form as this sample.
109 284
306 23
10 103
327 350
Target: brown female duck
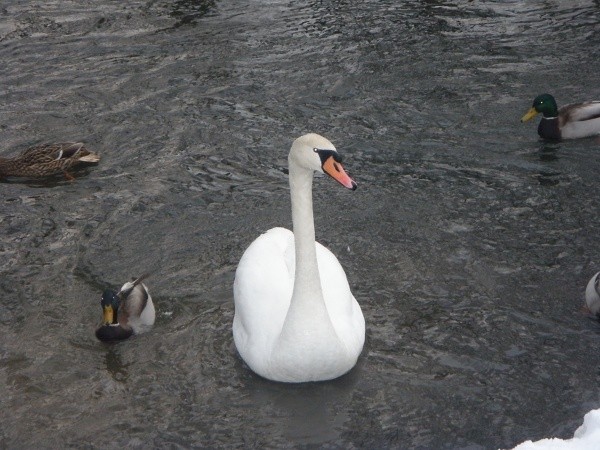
47 159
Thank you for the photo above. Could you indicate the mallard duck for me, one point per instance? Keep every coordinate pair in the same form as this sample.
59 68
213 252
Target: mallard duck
127 312
47 159
592 296
573 121
296 319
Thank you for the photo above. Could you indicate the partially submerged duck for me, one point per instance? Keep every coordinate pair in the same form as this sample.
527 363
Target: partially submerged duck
127 312
592 296
47 159
577 120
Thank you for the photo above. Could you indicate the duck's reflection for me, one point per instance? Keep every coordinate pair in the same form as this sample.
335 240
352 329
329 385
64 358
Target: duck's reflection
549 151
114 364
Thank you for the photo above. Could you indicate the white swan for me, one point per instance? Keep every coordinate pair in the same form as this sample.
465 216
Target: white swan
295 317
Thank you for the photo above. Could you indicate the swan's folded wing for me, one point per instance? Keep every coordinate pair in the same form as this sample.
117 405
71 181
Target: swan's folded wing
262 289
344 311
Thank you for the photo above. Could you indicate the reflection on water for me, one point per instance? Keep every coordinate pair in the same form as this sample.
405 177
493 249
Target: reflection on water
468 244
311 413
189 11
549 151
114 364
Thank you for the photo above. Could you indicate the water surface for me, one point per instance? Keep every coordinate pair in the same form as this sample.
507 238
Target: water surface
468 243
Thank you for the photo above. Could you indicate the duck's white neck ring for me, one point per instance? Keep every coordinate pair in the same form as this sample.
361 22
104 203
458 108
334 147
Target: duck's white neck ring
549 118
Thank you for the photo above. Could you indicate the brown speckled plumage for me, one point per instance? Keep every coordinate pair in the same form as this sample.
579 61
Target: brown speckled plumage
47 159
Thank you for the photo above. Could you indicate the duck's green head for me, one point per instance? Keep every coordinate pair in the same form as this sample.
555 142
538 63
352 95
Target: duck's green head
544 104
110 306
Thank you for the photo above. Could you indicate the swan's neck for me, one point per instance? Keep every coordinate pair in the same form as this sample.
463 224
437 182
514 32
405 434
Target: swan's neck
308 342
307 292
308 347
307 271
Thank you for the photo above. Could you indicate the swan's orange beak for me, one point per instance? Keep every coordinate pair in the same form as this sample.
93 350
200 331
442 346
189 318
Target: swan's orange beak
335 170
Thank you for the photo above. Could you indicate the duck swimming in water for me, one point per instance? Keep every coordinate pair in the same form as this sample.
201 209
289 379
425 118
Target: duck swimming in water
592 296
127 312
577 120
46 160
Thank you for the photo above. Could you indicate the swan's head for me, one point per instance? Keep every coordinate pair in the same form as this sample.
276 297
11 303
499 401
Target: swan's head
314 152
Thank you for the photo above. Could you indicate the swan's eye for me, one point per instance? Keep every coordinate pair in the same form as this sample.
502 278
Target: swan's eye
325 154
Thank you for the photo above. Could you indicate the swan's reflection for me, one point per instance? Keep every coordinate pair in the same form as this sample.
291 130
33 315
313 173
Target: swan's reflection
309 413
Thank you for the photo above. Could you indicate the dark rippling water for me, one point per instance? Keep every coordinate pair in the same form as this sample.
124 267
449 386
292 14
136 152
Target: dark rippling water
468 243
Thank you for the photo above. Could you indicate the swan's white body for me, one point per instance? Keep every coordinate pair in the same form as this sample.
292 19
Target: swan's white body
295 317
592 297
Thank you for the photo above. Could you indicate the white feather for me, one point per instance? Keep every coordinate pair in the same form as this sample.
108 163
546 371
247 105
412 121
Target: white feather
580 129
140 320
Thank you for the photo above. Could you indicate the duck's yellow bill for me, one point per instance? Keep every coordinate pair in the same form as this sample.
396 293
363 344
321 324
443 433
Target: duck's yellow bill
108 315
529 115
